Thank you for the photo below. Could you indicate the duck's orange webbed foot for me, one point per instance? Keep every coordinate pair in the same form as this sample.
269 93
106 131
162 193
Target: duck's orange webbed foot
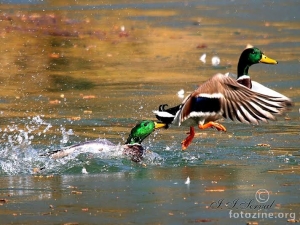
188 140
218 126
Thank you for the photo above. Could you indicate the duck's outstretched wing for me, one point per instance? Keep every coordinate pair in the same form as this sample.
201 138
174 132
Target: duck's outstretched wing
257 87
223 96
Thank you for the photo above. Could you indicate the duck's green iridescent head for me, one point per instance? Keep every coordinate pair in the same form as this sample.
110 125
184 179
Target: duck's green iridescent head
142 130
252 55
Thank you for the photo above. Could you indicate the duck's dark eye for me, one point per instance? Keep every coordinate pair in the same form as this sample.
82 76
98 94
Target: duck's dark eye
145 124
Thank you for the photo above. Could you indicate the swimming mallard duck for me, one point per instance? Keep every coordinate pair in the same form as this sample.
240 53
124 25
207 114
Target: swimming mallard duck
222 96
132 147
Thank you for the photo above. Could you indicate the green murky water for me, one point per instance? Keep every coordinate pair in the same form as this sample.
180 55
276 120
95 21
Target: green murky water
81 70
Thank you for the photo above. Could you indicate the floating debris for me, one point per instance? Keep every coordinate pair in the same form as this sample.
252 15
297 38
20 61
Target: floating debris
54 55
123 33
76 192
252 223
88 96
87 112
215 61
264 145
203 58
202 46
72 187
180 93
54 102
215 190
74 118
202 220
188 180
3 200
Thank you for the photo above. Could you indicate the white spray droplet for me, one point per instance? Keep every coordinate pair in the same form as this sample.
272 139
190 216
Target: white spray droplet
84 171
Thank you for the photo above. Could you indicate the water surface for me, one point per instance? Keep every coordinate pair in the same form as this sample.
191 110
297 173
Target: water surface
72 72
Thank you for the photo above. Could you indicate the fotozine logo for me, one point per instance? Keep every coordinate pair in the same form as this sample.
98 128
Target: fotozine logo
262 195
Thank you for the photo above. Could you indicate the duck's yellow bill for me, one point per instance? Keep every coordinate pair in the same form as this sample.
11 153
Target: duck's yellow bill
267 60
159 125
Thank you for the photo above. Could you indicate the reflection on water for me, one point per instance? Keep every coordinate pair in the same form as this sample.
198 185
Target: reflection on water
72 72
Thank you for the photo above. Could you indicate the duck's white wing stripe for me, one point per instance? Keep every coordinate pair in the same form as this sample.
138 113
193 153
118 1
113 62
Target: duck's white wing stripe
253 115
259 88
248 113
240 114
274 107
262 111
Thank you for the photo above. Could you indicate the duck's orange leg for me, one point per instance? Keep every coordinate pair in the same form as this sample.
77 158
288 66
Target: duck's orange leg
218 126
188 140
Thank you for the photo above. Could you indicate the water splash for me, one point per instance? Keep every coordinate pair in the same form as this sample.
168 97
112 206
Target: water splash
14 135
16 151
65 134
19 153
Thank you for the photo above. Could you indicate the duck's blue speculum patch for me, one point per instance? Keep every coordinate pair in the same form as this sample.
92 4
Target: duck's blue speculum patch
204 104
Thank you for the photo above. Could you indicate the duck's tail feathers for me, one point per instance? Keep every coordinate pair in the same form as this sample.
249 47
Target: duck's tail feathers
166 115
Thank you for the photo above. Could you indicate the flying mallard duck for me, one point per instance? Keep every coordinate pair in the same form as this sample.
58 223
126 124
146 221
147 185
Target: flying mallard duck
250 56
132 147
222 96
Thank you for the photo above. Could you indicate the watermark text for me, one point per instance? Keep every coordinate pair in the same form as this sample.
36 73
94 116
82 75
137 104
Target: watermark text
261 215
